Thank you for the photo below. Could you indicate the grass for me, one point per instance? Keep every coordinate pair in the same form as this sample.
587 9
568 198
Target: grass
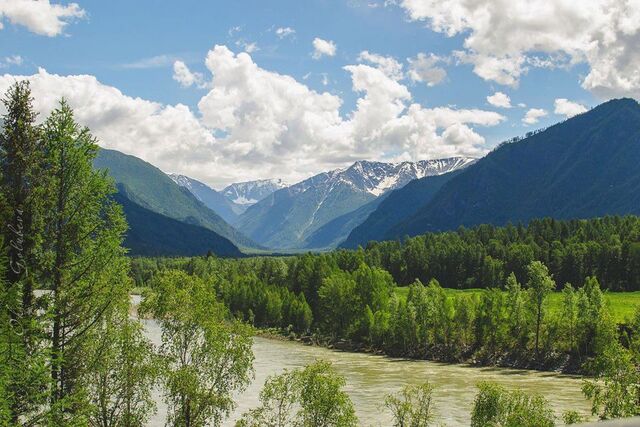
622 304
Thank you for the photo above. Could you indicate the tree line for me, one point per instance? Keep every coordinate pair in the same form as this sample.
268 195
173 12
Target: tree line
333 300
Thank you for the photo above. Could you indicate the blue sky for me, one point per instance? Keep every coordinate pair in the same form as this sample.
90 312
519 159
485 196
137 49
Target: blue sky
132 46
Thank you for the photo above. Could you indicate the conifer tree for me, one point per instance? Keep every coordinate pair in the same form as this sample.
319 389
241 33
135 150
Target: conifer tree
85 264
22 186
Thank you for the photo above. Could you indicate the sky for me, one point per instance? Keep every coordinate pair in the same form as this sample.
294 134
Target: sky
250 89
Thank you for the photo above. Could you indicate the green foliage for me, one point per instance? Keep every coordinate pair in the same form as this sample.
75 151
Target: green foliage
123 374
572 417
22 190
485 255
323 402
496 406
207 356
413 406
84 262
615 390
539 286
308 397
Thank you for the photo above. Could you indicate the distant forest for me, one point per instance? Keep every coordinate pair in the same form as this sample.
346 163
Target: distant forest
353 296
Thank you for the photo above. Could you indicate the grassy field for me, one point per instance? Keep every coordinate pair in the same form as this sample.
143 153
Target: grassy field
622 304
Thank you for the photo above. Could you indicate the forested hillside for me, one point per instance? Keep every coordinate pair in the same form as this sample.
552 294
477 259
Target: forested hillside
150 188
584 167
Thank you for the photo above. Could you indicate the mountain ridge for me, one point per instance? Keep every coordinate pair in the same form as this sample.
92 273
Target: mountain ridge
583 167
287 217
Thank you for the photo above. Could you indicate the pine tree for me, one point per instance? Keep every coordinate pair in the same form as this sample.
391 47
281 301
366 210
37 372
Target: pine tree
22 185
85 267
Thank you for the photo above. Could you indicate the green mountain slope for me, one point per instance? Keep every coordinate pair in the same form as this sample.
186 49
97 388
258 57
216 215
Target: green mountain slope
587 166
152 234
400 205
150 188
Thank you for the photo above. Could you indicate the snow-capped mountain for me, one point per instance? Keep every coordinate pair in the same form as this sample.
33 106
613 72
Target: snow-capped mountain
211 198
248 193
377 178
287 217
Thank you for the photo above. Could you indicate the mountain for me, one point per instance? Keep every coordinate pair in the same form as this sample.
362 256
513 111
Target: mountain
212 199
152 234
148 187
288 217
584 167
336 231
241 195
401 204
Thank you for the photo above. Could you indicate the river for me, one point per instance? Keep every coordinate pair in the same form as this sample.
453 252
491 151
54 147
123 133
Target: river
370 378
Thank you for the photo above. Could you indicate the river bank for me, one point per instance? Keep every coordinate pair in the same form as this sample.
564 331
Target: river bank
560 364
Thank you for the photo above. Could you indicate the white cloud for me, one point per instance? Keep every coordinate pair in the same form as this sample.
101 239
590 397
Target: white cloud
387 64
503 38
424 68
254 123
157 61
40 17
568 108
283 32
323 48
499 99
248 47
185 77
12 60
533 116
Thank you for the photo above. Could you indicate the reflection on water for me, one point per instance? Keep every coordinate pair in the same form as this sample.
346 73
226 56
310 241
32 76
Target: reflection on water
370 378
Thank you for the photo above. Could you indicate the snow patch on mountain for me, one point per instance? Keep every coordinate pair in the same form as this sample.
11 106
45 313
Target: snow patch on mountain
251 192
377 178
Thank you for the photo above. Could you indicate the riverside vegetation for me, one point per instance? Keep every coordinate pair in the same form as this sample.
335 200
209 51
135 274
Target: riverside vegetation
71 355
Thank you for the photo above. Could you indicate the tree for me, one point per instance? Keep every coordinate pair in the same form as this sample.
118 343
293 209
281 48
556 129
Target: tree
208 356
314 392
84 260
337 301
540 285
615 391
323 401
517 313
496 406
123 374
22 180
413 406
277 399
570 317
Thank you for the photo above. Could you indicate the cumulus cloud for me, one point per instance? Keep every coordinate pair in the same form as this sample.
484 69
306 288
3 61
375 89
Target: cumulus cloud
255 123
424 68
500 100
533 116
568 108
40 17
503 38
323 48
185 77
387 64
283 32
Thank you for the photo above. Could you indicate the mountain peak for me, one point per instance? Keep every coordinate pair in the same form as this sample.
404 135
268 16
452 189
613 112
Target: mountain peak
248 193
